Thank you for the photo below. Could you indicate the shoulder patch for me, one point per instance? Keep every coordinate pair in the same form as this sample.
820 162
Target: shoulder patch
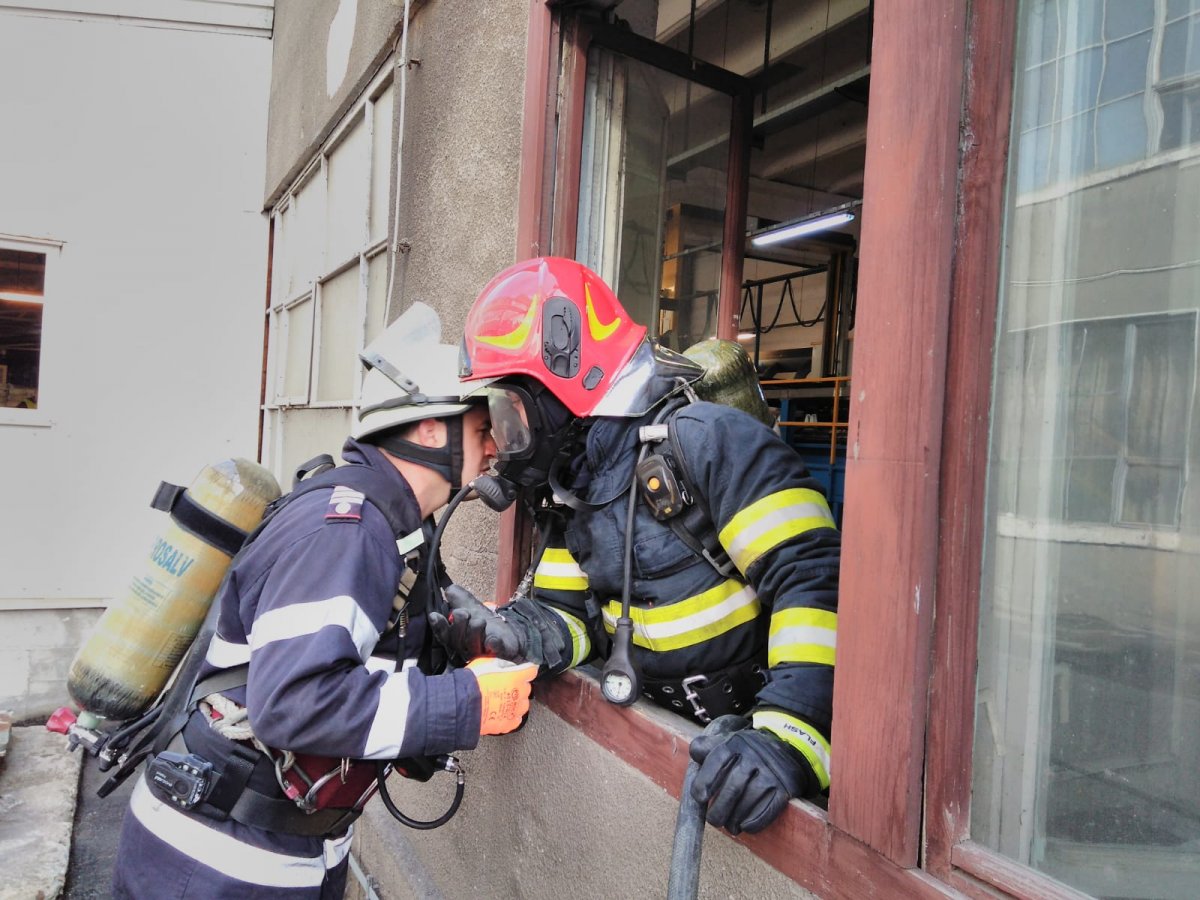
345 505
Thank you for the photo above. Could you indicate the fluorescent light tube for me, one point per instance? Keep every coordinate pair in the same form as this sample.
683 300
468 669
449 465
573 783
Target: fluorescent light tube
787 232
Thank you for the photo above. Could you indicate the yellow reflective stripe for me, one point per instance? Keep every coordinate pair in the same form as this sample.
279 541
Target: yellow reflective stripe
599 331
767 523
799 734
692 621
581 644
558 571
518 335
802 635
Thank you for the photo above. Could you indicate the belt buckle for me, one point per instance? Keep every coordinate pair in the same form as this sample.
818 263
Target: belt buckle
693 698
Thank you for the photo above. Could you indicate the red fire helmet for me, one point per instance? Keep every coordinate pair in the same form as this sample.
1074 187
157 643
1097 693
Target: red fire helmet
555 321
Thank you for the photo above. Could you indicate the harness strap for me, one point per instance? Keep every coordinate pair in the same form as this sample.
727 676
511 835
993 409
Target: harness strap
694 524
243 776
191 516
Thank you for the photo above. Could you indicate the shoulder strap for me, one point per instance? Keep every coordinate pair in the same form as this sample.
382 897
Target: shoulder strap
694 525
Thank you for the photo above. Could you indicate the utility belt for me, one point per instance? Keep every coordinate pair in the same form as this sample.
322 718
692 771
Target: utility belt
210 775
729 691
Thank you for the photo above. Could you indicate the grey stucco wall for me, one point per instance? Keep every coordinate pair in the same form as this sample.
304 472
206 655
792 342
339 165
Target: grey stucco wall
302 111
36 649
548 814
458 184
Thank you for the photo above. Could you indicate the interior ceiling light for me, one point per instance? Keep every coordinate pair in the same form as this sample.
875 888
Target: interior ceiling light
783 233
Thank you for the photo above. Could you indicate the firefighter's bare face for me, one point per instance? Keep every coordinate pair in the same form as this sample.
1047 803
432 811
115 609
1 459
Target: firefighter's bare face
479 449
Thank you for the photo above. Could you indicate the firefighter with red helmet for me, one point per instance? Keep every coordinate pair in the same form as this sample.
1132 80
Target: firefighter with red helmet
683 543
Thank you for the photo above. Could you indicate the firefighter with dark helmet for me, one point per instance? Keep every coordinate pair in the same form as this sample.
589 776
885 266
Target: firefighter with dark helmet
322 663
685 546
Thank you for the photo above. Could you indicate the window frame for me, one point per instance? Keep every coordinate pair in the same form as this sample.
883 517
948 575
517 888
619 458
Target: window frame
314 176
52 251
899 815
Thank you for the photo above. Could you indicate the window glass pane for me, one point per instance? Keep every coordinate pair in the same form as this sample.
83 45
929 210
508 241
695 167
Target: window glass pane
381 165
1181 117
1125 17
1120 132
297 324
303 433
377 278
340 337
306 235
652 194
1082 80
22 285
1125 67
349 174
1087 755
1177 8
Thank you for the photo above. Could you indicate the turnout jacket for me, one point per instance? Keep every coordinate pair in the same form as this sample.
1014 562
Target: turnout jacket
306 605
779 604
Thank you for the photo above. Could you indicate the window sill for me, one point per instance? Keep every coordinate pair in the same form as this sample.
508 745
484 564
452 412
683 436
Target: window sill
30 418
802 844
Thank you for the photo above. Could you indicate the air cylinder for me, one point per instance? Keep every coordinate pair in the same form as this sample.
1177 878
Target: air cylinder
141 637
729 378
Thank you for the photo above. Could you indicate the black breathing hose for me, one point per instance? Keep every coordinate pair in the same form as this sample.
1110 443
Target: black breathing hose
420 825
435 586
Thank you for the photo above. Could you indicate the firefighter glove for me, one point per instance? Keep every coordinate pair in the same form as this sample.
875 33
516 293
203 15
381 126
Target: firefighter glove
472 629
747 776
541 631
504 687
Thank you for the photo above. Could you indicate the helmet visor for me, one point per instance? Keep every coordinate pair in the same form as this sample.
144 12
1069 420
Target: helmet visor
510 409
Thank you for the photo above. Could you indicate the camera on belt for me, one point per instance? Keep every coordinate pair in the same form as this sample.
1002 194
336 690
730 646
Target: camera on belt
183 780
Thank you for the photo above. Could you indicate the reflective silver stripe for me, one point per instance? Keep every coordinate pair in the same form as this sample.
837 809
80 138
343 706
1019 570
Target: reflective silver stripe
381 664
581 644
223 654
222 852
410 542
300 619
391 719
337 849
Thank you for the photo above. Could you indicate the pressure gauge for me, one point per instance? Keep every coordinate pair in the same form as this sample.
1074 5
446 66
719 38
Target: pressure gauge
619 679
617 687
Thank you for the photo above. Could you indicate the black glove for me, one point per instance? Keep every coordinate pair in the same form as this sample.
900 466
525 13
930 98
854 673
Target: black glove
474 630
747 776
541 632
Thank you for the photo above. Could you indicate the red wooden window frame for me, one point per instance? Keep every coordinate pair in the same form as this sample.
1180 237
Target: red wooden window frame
905 692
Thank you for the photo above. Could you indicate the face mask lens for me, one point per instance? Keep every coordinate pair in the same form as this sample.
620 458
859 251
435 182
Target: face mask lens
510 423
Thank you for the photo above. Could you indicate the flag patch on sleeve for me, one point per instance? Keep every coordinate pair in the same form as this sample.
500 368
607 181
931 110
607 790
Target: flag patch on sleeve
345 504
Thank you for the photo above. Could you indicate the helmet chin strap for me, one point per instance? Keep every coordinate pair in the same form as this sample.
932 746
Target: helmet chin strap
447 460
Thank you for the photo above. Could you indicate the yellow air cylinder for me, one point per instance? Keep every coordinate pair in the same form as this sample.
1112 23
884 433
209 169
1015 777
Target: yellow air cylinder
729 378
141 637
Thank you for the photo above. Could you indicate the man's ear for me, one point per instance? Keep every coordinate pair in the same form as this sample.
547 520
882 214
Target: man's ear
431 433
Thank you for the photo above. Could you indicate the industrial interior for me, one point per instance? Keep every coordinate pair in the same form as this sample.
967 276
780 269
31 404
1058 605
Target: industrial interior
807 65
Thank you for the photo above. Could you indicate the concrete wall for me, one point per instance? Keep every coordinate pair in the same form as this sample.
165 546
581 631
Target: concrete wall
36 649
141 149
325 51
547 814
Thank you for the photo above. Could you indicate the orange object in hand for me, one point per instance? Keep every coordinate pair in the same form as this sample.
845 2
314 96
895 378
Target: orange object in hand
505 689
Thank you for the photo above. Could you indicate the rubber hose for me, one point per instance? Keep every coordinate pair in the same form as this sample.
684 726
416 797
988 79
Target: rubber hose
684 881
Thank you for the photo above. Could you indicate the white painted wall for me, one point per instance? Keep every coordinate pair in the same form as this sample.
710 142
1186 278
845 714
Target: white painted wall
142 150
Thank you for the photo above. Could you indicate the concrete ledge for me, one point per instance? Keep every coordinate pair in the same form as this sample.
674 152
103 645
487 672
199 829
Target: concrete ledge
39 781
